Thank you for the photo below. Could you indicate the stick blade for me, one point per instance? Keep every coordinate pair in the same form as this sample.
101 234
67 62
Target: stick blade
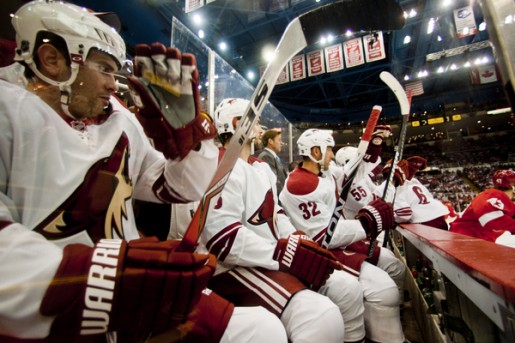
398 90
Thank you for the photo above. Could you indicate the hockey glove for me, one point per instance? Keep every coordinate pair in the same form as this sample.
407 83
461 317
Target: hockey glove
140 287
376 217
400 172
305 259
381 132
415 164
164 88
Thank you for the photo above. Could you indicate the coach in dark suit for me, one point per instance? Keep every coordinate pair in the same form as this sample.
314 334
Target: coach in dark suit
273 144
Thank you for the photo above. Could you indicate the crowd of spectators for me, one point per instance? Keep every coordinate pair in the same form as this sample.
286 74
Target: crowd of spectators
462 168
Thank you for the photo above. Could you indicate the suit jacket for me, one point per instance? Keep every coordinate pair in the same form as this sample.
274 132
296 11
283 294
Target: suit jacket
277 167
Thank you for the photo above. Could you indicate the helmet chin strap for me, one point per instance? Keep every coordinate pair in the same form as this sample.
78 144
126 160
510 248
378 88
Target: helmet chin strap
64 86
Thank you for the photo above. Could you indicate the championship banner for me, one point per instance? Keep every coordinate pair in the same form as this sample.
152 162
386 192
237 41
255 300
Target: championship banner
297 68
374 47
192 5
284 76
465 22
334 57
353 50
316 64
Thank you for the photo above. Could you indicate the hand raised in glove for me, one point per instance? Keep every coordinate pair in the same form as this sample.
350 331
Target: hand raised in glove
140 287
376 217
381 132
401 172
164 88
305 259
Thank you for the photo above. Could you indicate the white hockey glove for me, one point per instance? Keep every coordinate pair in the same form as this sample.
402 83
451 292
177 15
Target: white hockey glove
164 88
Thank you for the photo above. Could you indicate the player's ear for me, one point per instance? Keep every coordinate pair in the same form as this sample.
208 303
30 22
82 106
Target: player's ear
52 63
315 151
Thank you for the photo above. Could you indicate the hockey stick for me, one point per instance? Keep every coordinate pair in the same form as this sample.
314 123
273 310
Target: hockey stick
342 199
404 103
305 30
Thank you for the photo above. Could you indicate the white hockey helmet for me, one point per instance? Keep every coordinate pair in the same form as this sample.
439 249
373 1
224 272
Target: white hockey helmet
80 29
226 111
312 138
345 154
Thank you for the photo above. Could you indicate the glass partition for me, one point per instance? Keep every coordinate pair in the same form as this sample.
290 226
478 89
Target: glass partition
219 80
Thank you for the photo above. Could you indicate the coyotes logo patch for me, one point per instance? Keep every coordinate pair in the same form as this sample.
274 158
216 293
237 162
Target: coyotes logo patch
98 204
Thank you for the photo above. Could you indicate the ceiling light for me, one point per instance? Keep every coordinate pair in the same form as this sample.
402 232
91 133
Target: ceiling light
431 26
406 77
446 3
348 33
411 13
508 19
467 64
268 53
197 19
439 38
201 34
453 67
407 39
250 75
440 70
482 26
422 73
222 46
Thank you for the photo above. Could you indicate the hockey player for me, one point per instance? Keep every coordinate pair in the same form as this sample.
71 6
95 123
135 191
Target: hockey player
491 215
263 259
364 190
309 198
72 159
414 203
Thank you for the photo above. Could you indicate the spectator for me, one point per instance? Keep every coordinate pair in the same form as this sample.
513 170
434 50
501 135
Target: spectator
272 141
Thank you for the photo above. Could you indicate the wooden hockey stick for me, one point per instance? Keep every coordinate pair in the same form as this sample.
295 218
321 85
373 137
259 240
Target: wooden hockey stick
352 170
305 30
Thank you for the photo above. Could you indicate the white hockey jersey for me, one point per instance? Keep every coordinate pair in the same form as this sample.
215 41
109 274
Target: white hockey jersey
67 186
309 200
245 222
414 203
363 190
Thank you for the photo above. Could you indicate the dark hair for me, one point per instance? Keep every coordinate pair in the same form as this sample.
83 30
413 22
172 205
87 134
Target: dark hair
269 134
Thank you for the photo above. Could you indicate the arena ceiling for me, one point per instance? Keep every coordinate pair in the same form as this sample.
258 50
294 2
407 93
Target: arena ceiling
342 96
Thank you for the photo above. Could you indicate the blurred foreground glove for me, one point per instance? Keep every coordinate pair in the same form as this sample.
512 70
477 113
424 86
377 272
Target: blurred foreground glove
381 132
164 89
139 287
400 172
305 259
376 217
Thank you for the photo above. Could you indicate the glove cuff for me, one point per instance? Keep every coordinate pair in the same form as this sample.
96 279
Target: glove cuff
373 151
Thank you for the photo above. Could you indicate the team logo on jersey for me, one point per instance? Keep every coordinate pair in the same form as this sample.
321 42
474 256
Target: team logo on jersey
97 206
496 203
265 213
